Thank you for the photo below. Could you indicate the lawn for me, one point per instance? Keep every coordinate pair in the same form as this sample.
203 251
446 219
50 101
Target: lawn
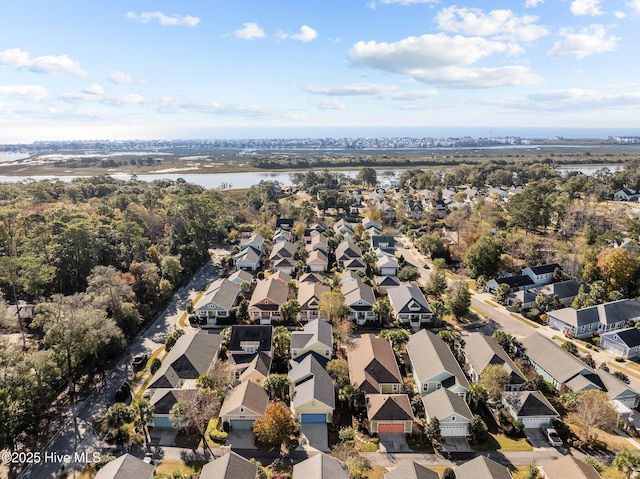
177 465
376 472
497 441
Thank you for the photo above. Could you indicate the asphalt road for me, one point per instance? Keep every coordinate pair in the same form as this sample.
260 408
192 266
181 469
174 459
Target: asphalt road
77 435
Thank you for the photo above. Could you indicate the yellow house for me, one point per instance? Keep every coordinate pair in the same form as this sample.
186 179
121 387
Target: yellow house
312 392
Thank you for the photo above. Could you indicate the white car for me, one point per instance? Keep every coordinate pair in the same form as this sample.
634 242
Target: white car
552 436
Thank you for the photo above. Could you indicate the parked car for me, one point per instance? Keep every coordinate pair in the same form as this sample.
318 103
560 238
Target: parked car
552 436
139 360
425 266
148 458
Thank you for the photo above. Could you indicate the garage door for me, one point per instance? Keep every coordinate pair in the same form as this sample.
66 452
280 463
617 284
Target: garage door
162 421
313 418
535 422
454 431
383 428
241 423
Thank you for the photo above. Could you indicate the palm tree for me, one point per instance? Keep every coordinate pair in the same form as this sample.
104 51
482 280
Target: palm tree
350 395
627 462
477 394
277 385
382 308
289 311
143 413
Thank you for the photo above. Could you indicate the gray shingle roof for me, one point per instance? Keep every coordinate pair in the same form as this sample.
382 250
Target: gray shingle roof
411 470
570 467
310 291
320 466
529 403
229 466
221 292
629 336
607 313
482 468
430 356
126 467
406 298
559 363
314 331
443 403
348 249
248 394
191 357
272 289
481 351
311 382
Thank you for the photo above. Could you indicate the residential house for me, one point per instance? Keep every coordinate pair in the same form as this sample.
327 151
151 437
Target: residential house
515 283
481 351
285 265
244 404
370 224
434 366
564 291
320 466
373 367
265 302
310 278
313 396
484 468
343 227
355 264
626 194
388 211
193 355
452 412
229 466
283 249
126 467
358 296
623 342
346 251
316 337
411 470
599 319
569 467
250 352
542 274
437 208
281 276
415 210
318 242
568 373
318 261
384 283
531 408
312 230
217 301
248 259
255 241
285 224
309 295
240 276
387 265
410 306
389 413
386 243
281 236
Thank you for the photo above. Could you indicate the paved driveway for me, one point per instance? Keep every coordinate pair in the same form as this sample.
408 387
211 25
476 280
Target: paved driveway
537 438
455 444
393 443
241 439
314 436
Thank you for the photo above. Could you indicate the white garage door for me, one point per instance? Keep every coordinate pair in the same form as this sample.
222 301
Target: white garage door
454 431
629 402
536 422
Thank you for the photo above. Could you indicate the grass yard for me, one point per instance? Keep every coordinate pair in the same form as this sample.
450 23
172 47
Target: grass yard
497 441
376 472
176 465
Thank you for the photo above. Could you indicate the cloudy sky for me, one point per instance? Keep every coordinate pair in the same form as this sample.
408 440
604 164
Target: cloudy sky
74 69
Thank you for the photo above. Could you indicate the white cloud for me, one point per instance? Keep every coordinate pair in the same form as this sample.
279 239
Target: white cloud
353 89
582 99
532 3
586 7
501 24
164 20
305 35
18 59
332 104
456 77
34 93
634 5
249 31
619 14
588 41
122 78
413 95
94 89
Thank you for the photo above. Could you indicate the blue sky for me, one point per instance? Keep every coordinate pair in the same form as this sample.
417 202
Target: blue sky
256 68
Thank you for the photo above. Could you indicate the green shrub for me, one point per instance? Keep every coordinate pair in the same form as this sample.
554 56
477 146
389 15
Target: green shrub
218 436
619 359
346 434
155 365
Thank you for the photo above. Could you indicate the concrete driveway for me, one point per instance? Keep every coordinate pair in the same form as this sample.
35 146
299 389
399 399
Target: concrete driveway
314 436
241 439
537 438
455 444
393 443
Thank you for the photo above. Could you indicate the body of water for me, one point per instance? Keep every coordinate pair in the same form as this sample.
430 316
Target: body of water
249 178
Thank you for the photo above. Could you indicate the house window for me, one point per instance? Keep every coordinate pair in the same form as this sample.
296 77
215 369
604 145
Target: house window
453 418
425 387
251 349
395 387
438 386
242 409
295 352
327 352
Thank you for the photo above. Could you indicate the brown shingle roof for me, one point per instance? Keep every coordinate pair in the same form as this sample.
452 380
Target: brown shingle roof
371 363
